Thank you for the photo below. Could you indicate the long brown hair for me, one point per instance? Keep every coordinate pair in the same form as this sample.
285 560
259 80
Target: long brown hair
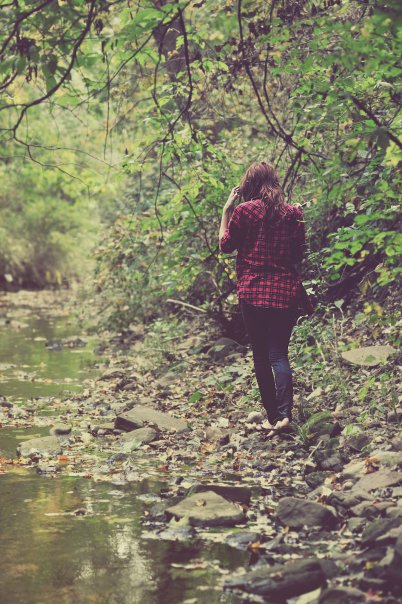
261 181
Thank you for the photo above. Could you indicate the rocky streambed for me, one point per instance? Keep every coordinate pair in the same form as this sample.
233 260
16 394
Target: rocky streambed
239 518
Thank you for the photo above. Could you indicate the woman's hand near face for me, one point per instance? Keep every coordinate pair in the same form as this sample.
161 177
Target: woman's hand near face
234 194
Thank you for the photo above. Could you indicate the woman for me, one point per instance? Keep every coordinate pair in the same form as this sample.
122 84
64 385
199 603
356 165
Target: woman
269 237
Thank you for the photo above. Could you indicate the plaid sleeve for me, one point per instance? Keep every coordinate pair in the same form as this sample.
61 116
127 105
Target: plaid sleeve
298 242
231 238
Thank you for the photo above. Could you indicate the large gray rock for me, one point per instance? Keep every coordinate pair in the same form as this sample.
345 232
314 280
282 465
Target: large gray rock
45 445
380 530
342 595
207 509
228 491
136 438
368 356
379 480
141 415
281 581
296 512
356 468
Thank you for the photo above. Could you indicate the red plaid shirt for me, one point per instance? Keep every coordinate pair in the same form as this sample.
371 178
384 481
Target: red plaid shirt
266 254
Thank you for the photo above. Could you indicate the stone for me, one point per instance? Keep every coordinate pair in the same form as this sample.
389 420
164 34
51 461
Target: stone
280 581
228 491
395 569
357 442
396 443
46 469
294 512
207 509
136 438
45 445
242 539
112 374
254 417
342 595
395 416
60 430
368 356
213 434
379 480
377 529
6 404
344 501
102 429
139 415
365 509
355 469
394 512
333 462
356 524
315 479
330 457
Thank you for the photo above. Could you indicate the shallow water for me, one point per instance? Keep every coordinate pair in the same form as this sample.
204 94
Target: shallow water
49 551
29 369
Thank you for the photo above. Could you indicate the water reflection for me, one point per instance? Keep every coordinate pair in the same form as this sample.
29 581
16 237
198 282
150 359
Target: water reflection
49 554
50 557
28 368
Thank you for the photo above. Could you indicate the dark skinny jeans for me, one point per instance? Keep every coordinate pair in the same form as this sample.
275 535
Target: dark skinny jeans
269 331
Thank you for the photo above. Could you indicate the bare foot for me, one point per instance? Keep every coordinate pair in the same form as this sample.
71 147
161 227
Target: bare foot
267 425
283 423
279 426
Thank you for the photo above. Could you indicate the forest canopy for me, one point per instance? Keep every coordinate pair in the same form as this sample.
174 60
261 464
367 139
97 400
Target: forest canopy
133 120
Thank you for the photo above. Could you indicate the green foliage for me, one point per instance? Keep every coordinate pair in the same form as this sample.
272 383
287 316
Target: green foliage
42 221
307 430
182 98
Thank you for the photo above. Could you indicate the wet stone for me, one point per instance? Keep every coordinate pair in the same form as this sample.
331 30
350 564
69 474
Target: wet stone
230 492
140 415
281 581
242 539
138 437
294 512
46 445
60 430
207 509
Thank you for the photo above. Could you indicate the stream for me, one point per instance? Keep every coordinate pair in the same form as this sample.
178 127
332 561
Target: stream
50 552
